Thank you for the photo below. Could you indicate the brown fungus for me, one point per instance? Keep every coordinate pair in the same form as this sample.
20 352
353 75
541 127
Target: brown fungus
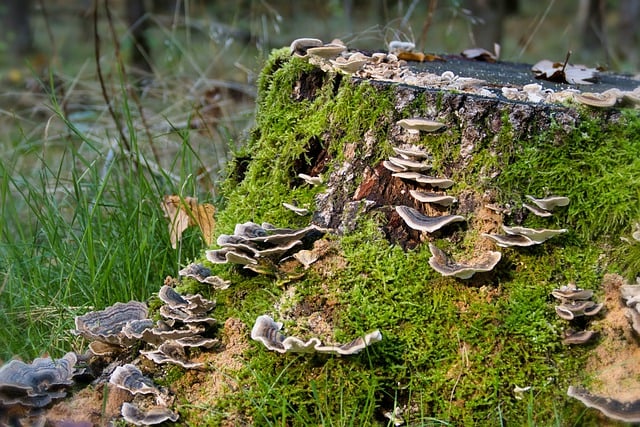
445 265
578 337
420 222
509 240
608 98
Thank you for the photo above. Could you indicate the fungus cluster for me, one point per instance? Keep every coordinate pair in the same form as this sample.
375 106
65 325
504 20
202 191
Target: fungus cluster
202 274
575 303
185 318
267 331
35 385
631 296
129 377
261 247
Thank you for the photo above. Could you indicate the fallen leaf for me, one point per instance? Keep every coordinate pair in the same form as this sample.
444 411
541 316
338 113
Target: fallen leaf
559 72
480 54
186 212
418 56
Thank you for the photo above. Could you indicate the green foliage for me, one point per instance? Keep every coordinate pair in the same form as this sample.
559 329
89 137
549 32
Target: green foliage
79 235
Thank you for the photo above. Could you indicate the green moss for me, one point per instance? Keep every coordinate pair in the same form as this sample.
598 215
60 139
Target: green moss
452 350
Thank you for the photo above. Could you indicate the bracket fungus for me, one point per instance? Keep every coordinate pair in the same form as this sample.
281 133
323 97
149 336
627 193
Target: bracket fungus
267 331
134 415
427 197
522 236
549 203
410 164
300 46
106 326
36 384
575 302
129 377
445 265
623 411
415 125
416 220
424 179
202 274
254 245
631 296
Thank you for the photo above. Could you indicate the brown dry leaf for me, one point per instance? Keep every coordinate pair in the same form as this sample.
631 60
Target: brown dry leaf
419 56
186 212
480 54
564 72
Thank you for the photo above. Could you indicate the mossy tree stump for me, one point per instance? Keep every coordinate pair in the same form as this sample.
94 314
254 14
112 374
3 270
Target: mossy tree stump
453 350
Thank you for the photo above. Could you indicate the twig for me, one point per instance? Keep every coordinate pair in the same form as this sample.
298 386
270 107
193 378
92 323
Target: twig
422 41
105 95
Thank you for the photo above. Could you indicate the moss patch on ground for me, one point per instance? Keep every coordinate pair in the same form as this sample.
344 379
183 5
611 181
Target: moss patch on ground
453 352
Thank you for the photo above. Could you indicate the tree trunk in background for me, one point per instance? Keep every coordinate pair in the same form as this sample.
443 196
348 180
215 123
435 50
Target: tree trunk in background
490 15
628 33
591 19
17 28
138 24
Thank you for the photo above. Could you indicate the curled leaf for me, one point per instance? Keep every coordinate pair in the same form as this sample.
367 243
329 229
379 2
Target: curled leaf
186 212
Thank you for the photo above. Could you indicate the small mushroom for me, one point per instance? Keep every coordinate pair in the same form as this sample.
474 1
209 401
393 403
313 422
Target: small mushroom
572 293
549 203
623 411
398 46
420 222
445 265
426 197
134 415
306 257
415 125
350 65
579 337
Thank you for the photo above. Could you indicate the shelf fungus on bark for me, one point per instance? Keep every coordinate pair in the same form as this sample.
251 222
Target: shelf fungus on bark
412 152
106 326
296 209
522 236
202 274
631 296
410 164
267 331
544 206
129 377
575 302
424 179
157 415
417 221
327 51
436 198
572 337
36 384
300 46
261 247
615 409
415 125
445 265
